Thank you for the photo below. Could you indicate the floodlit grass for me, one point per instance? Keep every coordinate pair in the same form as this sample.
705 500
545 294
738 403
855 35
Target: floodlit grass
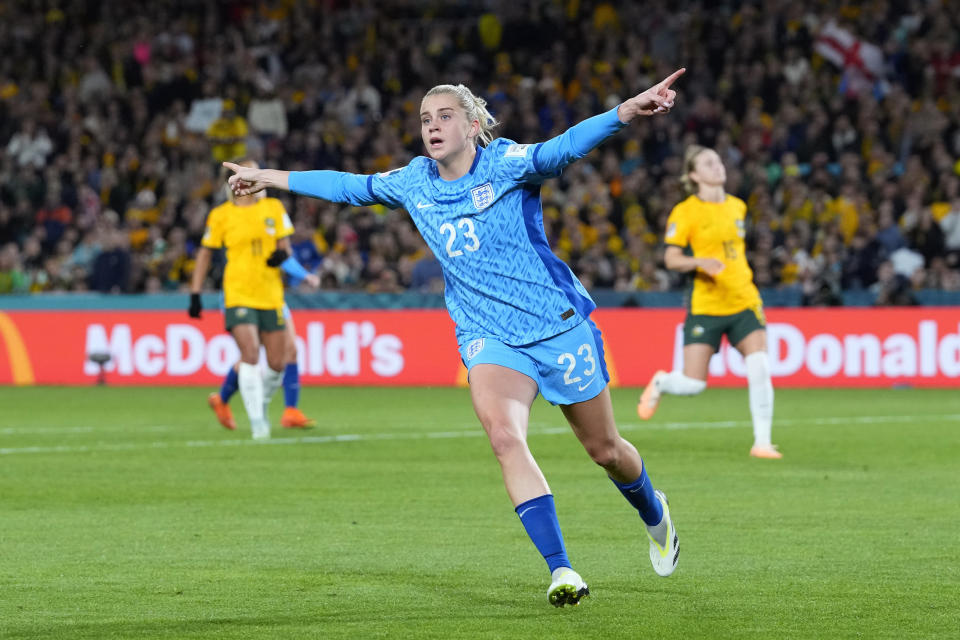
129 513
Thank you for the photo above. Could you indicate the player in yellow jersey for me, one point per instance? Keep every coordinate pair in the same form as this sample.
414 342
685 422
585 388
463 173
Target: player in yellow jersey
724 301
255 231
292 417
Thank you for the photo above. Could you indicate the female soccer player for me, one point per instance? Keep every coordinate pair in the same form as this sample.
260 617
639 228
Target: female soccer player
522 317
724 300
256 233
292 417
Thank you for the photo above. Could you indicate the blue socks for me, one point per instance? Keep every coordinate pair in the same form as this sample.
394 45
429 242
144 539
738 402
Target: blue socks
639 493
291 385
229 386
539 518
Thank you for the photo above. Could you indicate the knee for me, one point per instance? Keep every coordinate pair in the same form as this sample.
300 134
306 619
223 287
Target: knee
276 363
605 452
504 439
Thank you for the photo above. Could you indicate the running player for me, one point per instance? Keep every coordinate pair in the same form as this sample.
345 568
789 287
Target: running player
522 317
724 300
255 231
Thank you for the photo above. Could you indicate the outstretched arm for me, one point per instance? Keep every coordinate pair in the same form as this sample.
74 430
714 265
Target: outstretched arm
247 180
585 136
335 186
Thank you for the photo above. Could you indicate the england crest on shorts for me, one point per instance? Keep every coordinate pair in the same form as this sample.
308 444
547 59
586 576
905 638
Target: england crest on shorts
482 196
474 348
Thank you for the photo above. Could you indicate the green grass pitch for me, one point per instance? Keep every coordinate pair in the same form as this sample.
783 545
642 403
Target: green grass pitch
129 513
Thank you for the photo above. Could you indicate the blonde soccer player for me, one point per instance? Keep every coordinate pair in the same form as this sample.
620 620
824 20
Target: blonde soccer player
522 318
724 300
255 231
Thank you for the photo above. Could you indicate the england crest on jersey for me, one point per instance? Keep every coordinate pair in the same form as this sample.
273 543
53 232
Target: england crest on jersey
482 196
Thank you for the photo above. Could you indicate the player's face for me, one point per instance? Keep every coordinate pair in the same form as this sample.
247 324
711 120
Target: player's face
708 169
444 127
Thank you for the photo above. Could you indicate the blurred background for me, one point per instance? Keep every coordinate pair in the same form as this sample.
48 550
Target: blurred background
839 123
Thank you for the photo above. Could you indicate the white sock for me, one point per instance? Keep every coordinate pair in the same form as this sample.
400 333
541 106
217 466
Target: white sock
761 397
678 384
251 390
272 380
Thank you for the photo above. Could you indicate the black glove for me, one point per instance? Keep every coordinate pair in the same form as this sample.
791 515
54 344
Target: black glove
195 305
277 257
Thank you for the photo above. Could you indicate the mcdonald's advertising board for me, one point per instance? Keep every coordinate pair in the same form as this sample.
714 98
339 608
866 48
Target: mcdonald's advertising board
847 347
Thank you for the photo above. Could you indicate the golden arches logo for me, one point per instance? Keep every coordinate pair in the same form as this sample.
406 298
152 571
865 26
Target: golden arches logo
20 368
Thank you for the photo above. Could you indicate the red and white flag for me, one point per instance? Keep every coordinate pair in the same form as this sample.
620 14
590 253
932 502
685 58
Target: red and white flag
862 60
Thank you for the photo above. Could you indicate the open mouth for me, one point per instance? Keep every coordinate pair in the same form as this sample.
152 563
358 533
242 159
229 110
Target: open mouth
435 142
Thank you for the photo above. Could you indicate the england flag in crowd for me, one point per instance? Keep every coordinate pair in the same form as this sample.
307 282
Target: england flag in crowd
861 61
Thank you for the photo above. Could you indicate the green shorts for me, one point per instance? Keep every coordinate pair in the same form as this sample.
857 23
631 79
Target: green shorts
700 329
264 319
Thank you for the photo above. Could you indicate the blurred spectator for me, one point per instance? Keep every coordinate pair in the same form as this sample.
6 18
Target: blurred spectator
888 233
12 277
905 261
862 261
30 146
892 288
54 217
427 276
204 110
927 236
112 266
228 134
267 115
950 224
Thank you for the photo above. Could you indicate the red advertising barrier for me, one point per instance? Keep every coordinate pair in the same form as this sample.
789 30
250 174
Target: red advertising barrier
853 347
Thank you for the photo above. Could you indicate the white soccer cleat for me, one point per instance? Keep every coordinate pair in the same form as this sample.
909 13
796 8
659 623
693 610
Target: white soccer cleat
664 558
567 587
261 429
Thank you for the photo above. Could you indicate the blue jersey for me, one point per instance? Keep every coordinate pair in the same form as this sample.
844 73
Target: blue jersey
486 229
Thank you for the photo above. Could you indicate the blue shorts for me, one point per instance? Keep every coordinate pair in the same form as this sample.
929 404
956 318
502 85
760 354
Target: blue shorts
568 368
286 309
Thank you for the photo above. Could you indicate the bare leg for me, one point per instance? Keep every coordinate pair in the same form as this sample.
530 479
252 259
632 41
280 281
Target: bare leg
592 422
691 381
502 399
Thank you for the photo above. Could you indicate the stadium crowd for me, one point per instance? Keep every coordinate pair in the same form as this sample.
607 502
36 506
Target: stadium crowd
839 125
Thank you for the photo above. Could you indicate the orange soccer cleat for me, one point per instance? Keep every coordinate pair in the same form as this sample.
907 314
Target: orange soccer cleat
768 452
222 409
650 398
293 418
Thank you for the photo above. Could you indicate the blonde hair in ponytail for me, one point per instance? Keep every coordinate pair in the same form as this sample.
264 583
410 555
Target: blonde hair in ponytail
474 106
689 157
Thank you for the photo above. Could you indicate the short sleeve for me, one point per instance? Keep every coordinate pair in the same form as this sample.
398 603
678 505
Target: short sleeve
678 228
213 234
284 224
